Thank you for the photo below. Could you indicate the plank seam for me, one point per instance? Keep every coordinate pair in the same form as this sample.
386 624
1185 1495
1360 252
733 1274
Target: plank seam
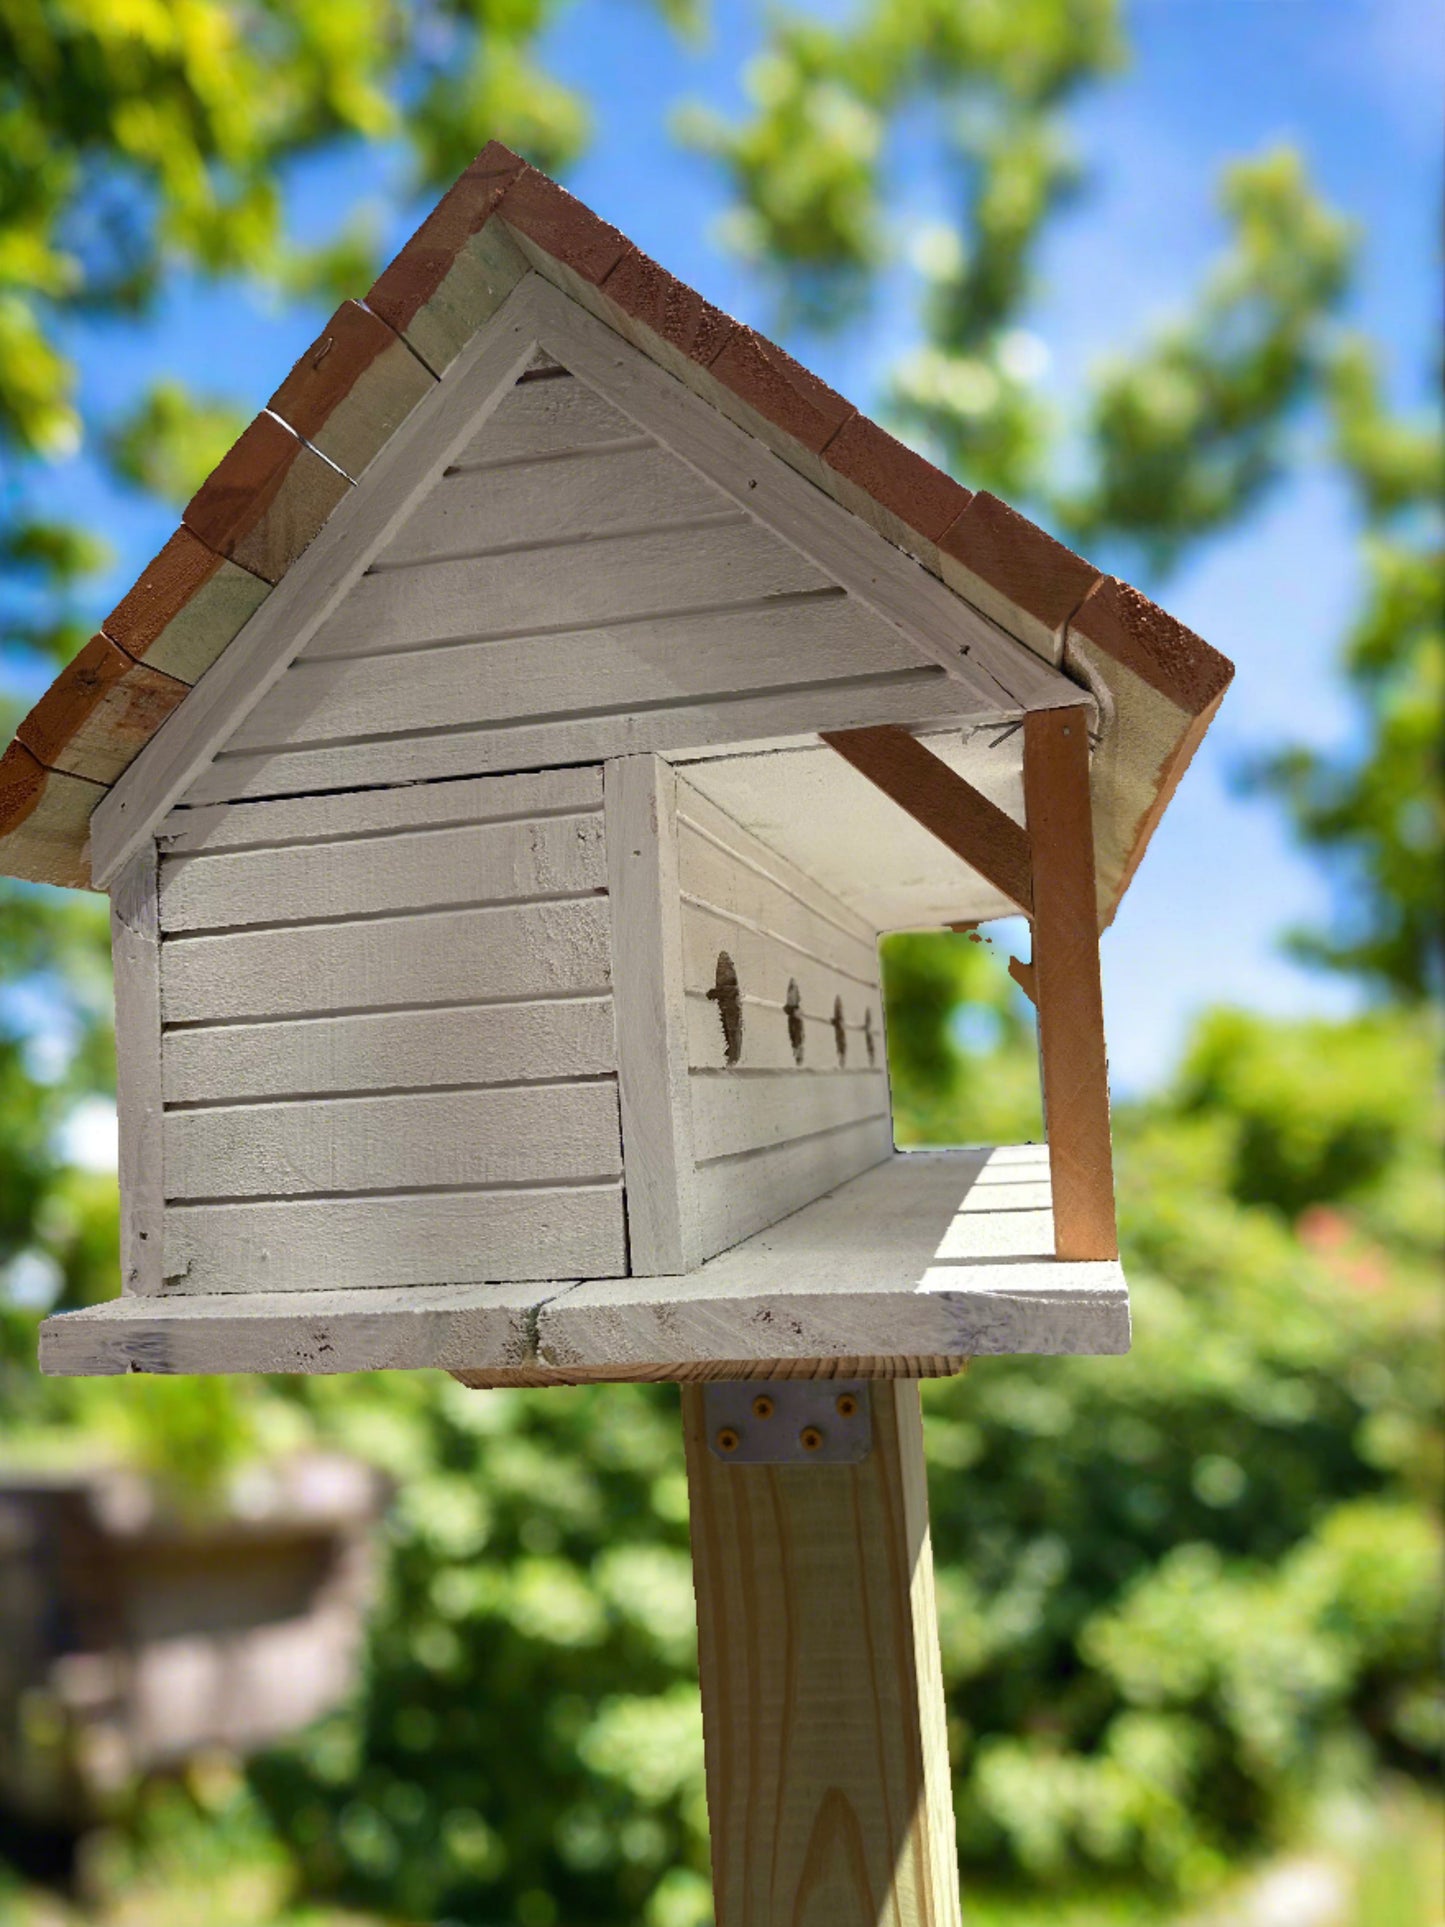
184 1105
622 445
782 1143
269 1199
746 862
686 525
602 994
776 936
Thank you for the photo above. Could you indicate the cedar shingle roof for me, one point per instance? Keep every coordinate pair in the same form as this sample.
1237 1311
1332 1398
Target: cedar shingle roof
272 492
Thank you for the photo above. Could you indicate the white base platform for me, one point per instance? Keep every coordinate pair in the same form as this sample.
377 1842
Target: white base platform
889 1272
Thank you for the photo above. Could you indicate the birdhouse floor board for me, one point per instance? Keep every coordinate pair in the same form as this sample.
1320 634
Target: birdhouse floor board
887 1268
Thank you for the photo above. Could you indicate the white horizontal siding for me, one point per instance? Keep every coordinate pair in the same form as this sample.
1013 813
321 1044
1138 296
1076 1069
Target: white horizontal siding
739 1196
664 726
389 1055
419 870
551 417
683 657
192 829
560 586
511 952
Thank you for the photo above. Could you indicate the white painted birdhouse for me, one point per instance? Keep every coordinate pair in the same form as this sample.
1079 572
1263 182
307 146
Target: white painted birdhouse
502 780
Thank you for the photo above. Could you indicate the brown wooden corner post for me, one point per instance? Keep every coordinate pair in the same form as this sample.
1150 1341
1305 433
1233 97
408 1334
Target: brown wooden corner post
1065 982
823 1718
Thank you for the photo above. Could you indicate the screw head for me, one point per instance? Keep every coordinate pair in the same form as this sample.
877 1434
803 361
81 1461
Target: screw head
728 1440
810 1438
847 1403
762 1406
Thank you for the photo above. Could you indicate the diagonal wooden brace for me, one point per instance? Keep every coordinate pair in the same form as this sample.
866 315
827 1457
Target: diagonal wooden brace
937 797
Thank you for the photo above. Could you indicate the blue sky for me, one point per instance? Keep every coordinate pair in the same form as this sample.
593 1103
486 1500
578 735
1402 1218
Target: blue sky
1354 83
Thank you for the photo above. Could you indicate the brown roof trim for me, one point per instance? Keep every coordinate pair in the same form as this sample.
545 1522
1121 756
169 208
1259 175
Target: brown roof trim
1015 572
417 272
668 309
184 607
1148 640
266 499
100 712
45 821
352 389
272 492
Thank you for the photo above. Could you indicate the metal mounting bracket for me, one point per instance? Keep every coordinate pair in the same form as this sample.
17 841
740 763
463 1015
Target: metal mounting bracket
789 1421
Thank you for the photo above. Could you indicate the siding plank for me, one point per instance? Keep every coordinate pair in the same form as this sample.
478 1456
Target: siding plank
418 870
733 1114
767 1043
452 956
733 1200
546 418
389 1050
619 577
795 712
527 1135
316 819
765 966
718 879
673 659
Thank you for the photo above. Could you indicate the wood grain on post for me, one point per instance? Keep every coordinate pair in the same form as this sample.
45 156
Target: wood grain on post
823 1717
1068 991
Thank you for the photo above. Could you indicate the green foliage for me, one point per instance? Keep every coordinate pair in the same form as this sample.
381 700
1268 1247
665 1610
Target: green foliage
171 440
1186 435
527 1744
1376 811
1181 1596
961 1042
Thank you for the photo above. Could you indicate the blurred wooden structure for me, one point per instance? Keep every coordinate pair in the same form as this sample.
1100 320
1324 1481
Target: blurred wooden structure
135 1635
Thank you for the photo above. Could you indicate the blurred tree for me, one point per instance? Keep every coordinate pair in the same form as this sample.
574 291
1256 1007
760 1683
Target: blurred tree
1375 812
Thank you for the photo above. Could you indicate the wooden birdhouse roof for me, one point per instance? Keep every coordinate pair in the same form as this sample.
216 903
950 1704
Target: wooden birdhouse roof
979 590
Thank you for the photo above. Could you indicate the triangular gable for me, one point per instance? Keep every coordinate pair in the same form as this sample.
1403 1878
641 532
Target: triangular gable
377 365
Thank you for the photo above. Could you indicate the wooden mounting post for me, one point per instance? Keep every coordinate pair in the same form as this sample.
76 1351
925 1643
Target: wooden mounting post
1066 985
823 1719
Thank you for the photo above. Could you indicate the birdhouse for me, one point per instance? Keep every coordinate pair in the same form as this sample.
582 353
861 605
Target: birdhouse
501 780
